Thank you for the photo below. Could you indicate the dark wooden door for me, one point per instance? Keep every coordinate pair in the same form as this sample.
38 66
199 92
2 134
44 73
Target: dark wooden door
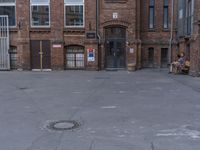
46 61
40 54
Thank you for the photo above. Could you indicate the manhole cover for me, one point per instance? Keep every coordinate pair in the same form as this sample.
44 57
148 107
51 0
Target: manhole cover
23 88
63 125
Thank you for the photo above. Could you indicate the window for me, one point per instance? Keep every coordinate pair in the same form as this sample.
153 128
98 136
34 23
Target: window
189 16
13 57
7 7
40 13
166 14
74 13
151 55
151 14
75 57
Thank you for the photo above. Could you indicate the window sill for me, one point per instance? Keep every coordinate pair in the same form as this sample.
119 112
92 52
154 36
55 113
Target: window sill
13 29
40 29
166 30
151 30
81 29
187 37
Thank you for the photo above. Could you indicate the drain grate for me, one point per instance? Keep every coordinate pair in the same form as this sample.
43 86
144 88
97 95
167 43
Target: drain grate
23 88
63 125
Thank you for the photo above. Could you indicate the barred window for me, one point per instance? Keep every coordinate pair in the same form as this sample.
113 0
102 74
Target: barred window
40 13
8 7
74 13
75 57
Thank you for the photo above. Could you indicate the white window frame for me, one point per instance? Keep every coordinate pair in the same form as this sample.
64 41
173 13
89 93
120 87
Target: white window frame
191 15
40 4
10 4
74 4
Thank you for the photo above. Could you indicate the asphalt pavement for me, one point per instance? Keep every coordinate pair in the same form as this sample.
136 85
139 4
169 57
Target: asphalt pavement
114 110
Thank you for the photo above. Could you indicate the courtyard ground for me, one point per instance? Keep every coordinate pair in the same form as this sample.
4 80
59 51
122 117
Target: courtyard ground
119 110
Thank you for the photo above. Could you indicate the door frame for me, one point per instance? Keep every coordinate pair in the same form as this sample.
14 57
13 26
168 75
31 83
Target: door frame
41 56
115 39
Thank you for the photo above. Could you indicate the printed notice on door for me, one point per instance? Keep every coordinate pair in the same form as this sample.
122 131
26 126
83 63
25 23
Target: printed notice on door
91 54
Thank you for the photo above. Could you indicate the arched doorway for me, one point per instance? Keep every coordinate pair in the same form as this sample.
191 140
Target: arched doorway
115 47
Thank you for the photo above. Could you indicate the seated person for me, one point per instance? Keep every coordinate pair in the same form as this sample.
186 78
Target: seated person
178 64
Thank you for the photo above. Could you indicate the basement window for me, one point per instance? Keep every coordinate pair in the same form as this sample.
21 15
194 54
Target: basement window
40 13
8 7
75 57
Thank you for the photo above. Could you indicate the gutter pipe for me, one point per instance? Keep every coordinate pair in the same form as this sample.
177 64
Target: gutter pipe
171 33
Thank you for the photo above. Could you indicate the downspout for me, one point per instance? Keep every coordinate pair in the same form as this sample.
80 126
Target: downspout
171 33
98 35
97 22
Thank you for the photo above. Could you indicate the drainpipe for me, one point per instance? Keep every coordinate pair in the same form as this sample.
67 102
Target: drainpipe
171 33
97 21
97 34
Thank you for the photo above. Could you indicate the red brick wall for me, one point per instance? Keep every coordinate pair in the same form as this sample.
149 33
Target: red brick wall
156 38
132 15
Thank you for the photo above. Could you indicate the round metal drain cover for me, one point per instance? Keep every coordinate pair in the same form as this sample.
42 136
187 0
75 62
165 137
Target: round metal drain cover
63 125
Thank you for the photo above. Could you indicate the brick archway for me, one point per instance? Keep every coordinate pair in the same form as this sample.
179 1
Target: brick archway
115 23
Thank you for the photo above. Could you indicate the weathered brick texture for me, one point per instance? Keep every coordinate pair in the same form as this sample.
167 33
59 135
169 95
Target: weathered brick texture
131 14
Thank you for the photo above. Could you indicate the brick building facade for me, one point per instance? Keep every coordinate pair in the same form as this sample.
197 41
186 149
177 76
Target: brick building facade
188 32
91 34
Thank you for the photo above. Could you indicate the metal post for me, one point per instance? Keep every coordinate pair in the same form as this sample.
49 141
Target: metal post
41 56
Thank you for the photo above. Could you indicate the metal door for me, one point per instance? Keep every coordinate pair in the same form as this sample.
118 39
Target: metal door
115 47
40 54
115 54
4 43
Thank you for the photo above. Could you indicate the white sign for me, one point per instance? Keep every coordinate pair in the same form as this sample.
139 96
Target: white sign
91 54
57 45
131 50
115 15
180 14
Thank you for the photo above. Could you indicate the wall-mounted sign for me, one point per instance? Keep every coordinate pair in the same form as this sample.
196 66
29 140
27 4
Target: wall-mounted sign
57 45
91 35
180 14
131 50
91 54
115 15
